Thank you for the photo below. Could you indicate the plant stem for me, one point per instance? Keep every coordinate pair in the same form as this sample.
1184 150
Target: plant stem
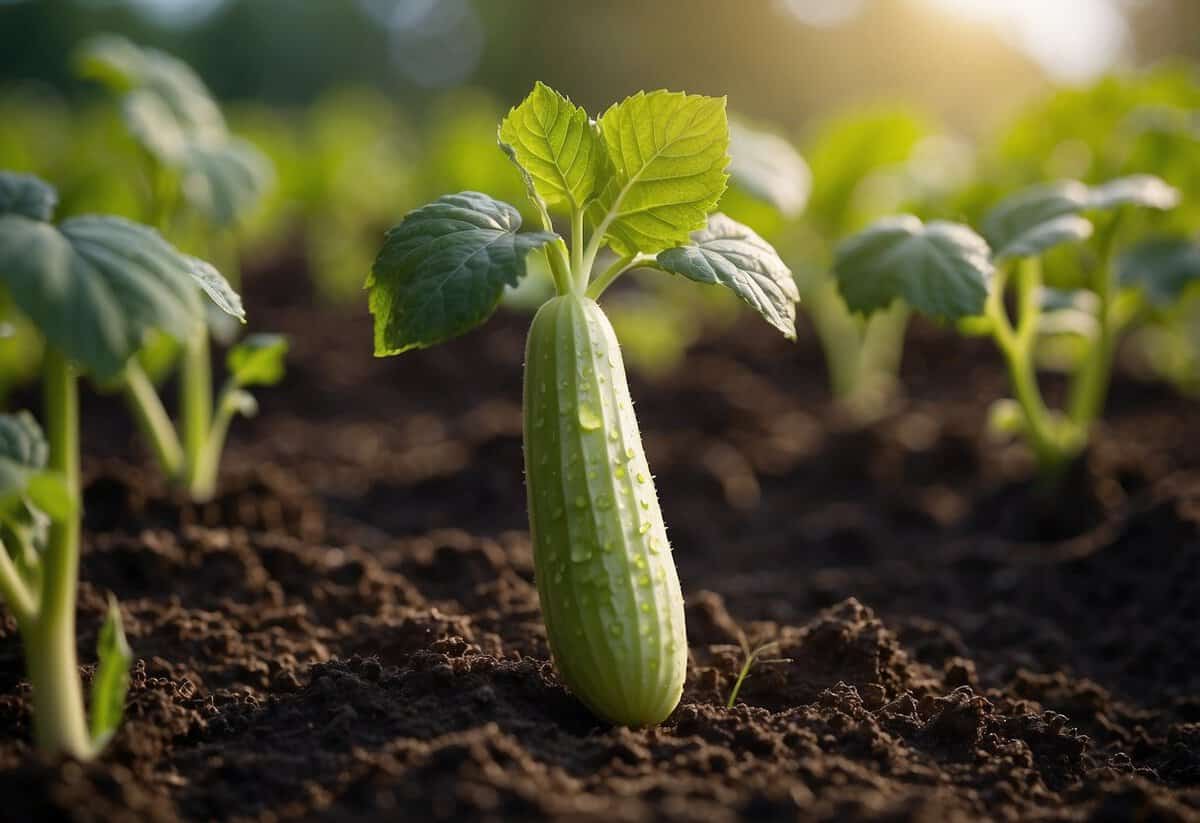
60 725
619 267
16 594
1051 448
582 274
195 401
207 468
560 268
153 420
1090 386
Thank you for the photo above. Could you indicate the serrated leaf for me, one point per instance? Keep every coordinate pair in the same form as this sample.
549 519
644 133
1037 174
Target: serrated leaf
27 196
1161 267
258 360
732 255
442 271
50 492
1041 237
554 141
668 151
1020 213
214 284
769 168
23 475
1144 190
111 682
95 286
940 269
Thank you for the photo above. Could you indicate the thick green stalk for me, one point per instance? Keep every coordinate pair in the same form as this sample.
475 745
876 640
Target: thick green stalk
60 725
195 402
153 420
1090 386
207 467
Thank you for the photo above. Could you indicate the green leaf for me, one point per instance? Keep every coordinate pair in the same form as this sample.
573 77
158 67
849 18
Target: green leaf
769 168
1014 217
23 454
734 256
940 269
27 196
214 284
553 140
95 286
442 271
1144 190
1019 225
224 182
258 360
1041 237
668 152
111 681
1161 267
50 492
170 113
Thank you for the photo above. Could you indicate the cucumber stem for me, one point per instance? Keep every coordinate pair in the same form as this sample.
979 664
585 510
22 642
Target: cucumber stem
195 402
60 725
153 421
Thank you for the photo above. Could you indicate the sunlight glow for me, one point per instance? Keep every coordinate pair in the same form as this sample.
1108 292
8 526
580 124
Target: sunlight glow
1073 40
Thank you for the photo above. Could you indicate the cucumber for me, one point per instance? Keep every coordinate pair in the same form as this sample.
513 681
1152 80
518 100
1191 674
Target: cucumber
609 593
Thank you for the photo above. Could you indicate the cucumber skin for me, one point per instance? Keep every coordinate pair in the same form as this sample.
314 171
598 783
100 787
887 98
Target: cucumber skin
609 592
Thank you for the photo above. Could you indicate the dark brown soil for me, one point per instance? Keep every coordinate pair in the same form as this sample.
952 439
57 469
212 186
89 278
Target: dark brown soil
351 630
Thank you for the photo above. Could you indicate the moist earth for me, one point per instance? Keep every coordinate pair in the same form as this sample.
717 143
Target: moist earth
350 631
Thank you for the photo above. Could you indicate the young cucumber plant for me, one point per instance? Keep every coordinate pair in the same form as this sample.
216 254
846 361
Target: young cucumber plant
203 180
94 287
640 182
948 272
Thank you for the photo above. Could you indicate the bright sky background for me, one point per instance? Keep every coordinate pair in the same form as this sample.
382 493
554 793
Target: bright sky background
1073 40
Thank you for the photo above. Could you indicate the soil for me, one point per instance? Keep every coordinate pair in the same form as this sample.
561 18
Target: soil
350 631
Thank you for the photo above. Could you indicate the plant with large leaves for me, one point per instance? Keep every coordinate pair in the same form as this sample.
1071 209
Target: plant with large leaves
95 287
948 272
642 182
197 169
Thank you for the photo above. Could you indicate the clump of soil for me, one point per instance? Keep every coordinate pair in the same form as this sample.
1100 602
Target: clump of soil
351 630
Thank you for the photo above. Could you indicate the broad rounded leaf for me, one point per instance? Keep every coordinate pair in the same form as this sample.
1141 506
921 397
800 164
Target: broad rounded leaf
214 284
96 285
1162 267
258 360
224 181
768 167
1057 231
669 151
125 67
1136 190
442 271
1019 214
27 196
940 269
734 256
111 681
49 492
23 455
554 141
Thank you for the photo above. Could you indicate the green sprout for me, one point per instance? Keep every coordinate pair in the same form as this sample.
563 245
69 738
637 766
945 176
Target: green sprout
641 182
948 272
94 287
199 174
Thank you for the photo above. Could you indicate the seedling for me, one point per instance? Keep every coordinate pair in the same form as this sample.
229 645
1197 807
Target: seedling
197 170
749 658
94 287
641 181
948 272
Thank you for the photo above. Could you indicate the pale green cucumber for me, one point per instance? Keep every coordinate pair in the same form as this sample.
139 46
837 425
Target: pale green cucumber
609 592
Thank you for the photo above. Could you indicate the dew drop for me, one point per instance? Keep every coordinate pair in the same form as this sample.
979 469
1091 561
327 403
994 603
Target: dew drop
591 474
615 629
641 478
589 420
645 504
604 502
580 502
580 552
645 527
629 453
619 471
613 434
639 562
